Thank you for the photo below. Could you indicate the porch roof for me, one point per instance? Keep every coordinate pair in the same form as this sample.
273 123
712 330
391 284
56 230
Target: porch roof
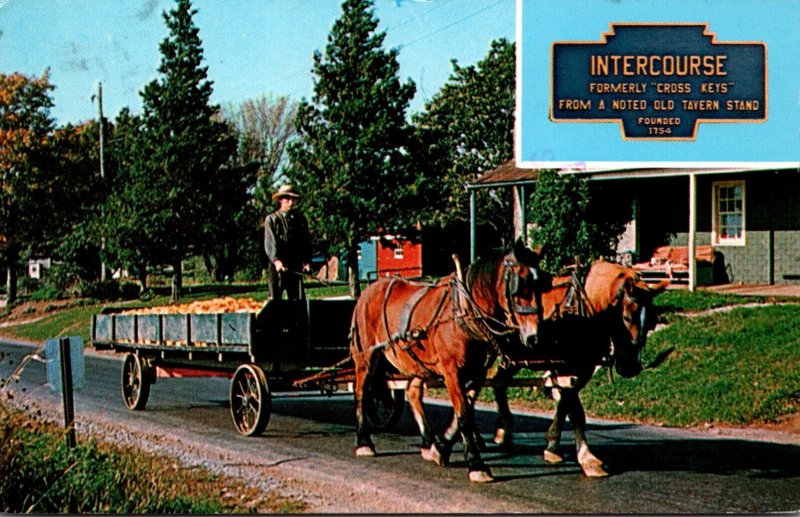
509 175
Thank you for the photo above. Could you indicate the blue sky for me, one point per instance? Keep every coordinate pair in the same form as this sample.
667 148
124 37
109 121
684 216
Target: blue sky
774 22
252 47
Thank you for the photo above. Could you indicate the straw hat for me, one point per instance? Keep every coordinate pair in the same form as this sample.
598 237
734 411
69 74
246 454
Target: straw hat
285 191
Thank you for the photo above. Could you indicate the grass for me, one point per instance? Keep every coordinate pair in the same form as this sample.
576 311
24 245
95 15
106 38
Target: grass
38 474
679 300
738 368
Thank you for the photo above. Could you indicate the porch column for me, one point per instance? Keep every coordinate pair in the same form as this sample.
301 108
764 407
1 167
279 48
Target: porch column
692 231
523 216
472 223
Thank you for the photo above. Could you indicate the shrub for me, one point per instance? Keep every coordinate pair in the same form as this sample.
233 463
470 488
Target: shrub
129 290
98 289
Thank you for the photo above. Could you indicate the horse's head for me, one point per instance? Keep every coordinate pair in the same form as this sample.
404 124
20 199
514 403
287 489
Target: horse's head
630 312
520 288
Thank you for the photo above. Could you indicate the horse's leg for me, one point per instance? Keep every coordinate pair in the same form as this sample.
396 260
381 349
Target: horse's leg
365 365
504 424
552 452
464 421
591 464
414 394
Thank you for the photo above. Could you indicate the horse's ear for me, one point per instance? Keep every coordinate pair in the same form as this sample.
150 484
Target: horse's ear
658 288
643 289
524 254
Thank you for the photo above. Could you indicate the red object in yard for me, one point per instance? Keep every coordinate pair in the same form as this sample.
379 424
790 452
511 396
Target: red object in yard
399 256
672 263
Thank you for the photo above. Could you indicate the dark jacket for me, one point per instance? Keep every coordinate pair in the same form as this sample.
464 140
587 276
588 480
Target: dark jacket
287 239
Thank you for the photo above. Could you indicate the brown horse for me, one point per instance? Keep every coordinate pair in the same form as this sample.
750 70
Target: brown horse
444 330
602 321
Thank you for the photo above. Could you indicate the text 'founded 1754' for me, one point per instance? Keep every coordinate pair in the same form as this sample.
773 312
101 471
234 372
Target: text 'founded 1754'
659 81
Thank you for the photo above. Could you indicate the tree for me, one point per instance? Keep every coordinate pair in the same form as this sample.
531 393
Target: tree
25 126
467 129
572 223
264 127
72 232
351 158
171 184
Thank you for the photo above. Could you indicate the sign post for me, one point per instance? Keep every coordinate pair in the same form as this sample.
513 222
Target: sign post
65 373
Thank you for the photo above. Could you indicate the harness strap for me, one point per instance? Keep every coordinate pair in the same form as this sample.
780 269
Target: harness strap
403 335
407 313
575 301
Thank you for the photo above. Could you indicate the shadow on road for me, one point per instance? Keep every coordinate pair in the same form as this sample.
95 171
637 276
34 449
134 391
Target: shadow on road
619 445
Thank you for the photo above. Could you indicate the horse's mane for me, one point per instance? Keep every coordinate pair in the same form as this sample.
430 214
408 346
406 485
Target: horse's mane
482 276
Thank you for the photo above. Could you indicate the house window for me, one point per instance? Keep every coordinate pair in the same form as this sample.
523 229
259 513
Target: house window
398 253
728 211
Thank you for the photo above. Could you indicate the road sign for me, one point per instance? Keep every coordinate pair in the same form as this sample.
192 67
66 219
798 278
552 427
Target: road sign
604 83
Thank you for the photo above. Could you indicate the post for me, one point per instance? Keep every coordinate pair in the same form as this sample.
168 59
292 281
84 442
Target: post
692 232
103 269
66 391
472 222
523 209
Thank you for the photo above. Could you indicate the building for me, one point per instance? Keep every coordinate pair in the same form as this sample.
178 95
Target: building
388 255
749 216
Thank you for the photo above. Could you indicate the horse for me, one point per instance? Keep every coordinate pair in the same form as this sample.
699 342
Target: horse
602 321
444 330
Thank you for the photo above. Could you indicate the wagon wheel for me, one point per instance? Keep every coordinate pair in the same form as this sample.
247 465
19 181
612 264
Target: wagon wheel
384 408
251 401
135 382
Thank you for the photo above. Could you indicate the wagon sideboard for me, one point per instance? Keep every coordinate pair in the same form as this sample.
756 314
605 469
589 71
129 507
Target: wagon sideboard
284 335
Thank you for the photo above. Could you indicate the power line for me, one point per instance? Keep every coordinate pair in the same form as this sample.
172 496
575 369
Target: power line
452 24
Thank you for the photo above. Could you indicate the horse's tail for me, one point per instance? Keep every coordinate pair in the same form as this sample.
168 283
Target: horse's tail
355 339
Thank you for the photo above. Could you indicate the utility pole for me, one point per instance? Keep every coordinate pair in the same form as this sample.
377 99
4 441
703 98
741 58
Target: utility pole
103 270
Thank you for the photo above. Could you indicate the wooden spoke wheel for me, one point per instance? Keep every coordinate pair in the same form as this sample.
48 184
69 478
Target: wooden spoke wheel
136 376
251 401
383 408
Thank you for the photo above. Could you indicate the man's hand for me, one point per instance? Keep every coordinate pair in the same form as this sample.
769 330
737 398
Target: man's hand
306 268
278 265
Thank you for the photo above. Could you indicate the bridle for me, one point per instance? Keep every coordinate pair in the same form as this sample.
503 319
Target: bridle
512 288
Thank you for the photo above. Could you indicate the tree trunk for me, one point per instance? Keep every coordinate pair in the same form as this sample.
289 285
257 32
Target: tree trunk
177 281
12 257
142 275
352 271
213 272
11 282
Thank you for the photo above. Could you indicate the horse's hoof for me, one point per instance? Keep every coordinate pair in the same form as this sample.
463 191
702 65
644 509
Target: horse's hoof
552 457
481 476
432 454
594 470
365 451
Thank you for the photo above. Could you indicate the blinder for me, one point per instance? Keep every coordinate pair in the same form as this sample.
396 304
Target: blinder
516 286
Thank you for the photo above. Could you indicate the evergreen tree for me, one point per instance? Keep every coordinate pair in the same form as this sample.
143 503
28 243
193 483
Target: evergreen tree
351 156
173 179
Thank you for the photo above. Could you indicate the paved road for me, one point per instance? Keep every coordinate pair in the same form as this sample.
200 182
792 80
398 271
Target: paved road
309 442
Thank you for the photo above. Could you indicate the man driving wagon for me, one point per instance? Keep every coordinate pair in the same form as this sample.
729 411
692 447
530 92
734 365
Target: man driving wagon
287 243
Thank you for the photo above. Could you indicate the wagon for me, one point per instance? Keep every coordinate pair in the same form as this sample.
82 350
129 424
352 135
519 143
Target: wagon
284 346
